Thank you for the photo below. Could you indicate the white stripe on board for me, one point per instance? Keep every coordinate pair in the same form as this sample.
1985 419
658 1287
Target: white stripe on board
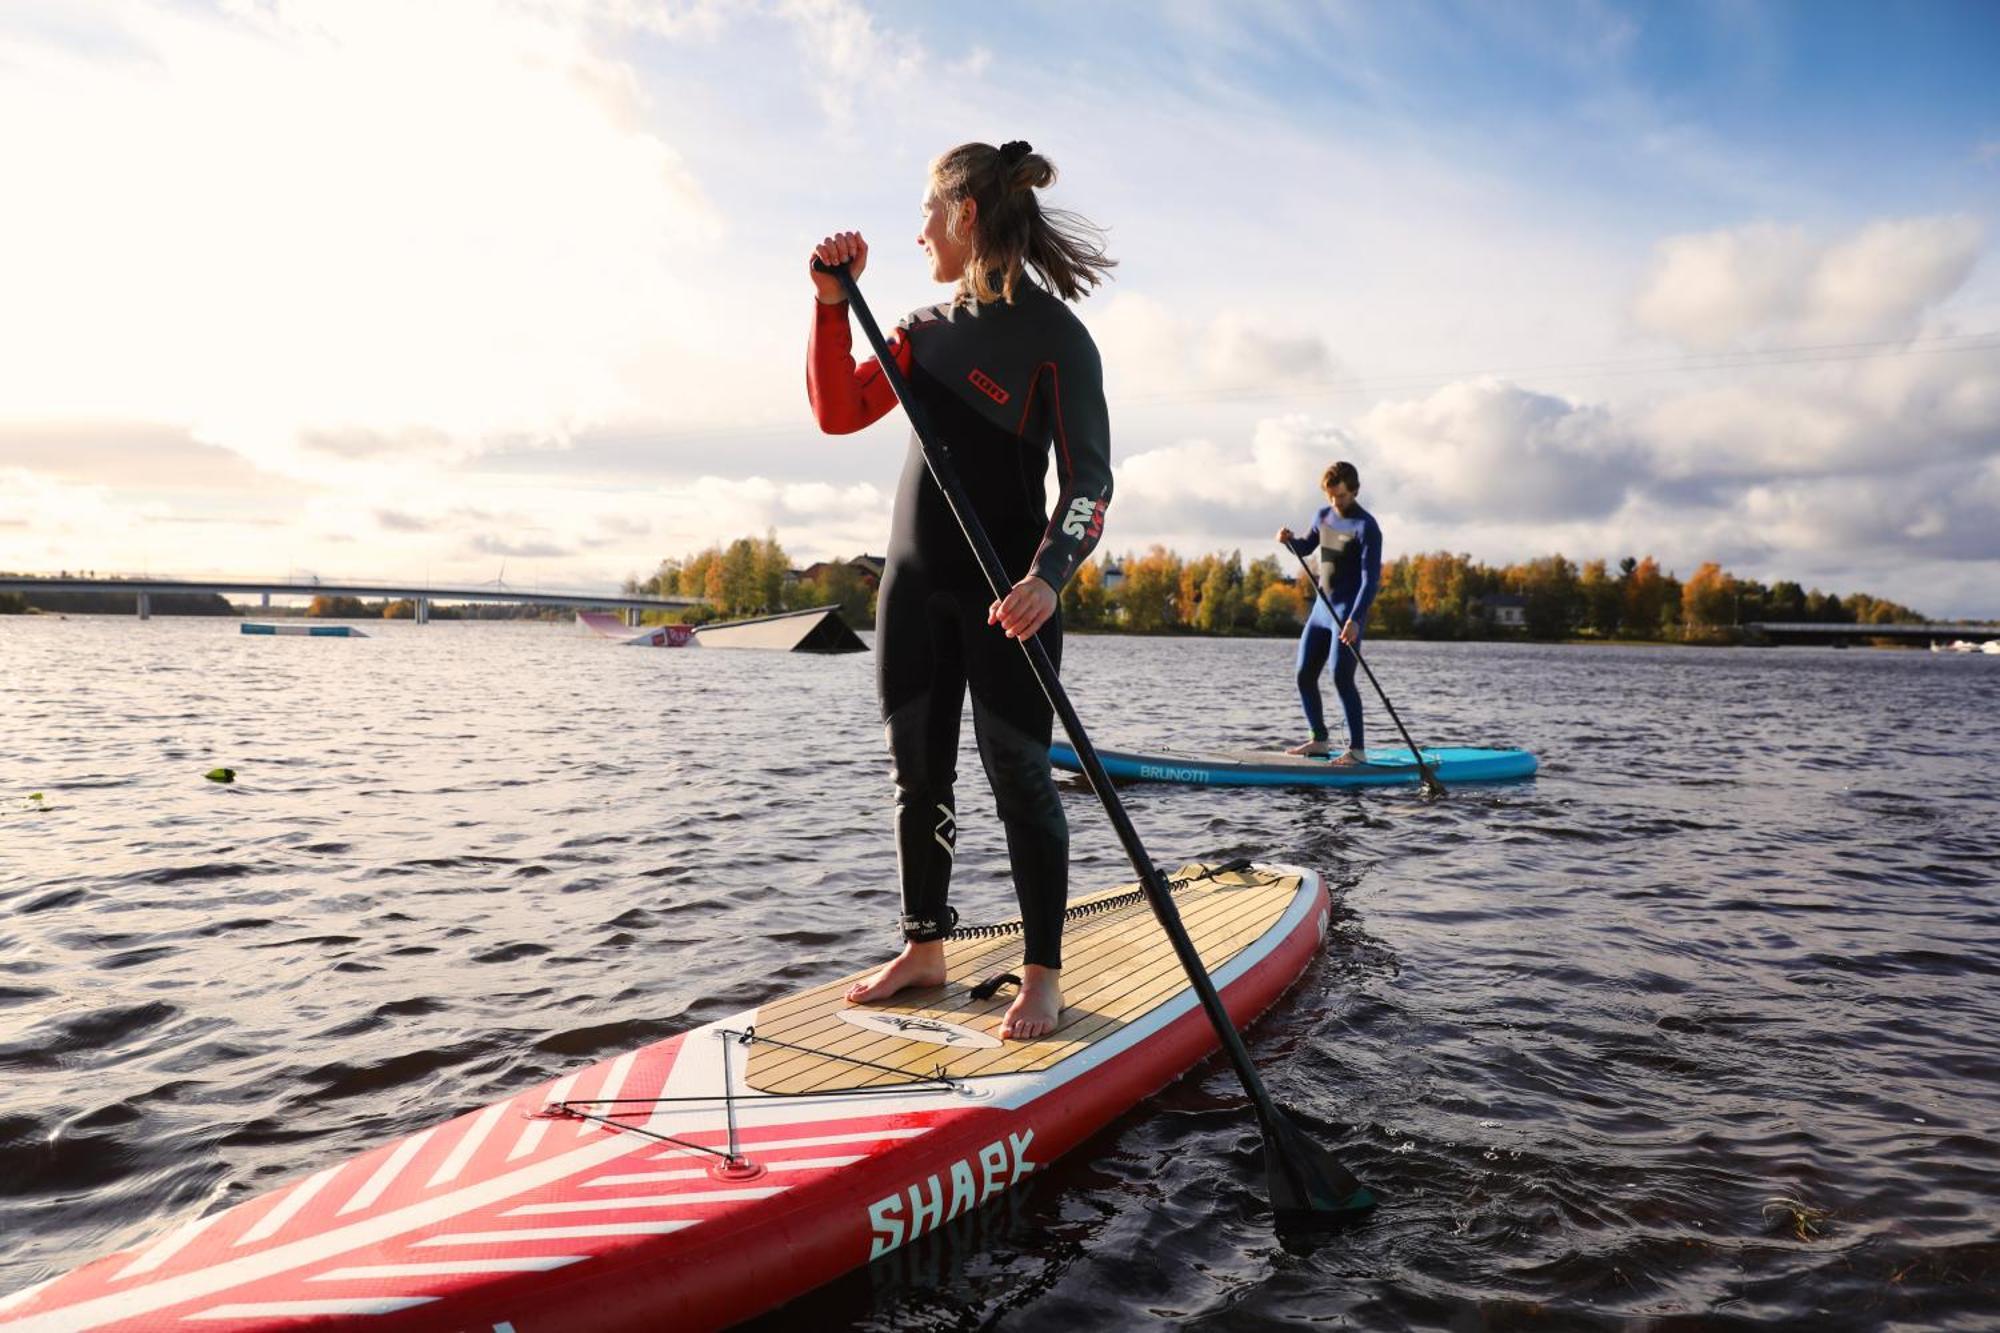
287 1254
558 1233
803 1164
173 1244
817 1141
288 1208
310 1309
531 1137
614 1083
645 1201
385 1175
462 1151
446 1267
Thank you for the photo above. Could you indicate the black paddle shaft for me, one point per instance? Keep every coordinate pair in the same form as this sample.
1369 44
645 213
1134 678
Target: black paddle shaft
1431 783
937 457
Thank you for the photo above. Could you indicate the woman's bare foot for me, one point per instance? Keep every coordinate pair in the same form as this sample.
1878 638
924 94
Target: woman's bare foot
1038 1008
1350 756
918 966
1312 749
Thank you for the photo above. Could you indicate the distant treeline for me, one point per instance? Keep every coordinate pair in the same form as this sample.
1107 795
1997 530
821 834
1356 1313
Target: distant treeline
1441 595
214 604
114 603
1437 595
404 608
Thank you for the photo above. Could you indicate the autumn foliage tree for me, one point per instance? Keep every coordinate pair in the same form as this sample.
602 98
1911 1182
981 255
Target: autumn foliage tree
1084 601
1645 597
1708 603
1151 584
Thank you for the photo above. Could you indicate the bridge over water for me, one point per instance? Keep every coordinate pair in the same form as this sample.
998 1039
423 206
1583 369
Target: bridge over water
1801 631
143 588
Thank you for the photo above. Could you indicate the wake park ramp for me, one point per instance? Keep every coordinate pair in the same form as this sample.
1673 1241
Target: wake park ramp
818 630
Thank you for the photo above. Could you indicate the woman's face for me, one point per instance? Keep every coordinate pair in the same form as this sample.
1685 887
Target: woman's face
947 255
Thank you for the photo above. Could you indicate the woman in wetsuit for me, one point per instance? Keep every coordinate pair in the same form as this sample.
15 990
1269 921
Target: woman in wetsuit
1349 543
1007 372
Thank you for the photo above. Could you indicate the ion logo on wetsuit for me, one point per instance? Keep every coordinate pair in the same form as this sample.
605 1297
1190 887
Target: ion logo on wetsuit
1004 383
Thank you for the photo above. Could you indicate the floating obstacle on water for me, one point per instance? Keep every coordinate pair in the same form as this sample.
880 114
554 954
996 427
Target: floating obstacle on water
606 625
819 630
305 631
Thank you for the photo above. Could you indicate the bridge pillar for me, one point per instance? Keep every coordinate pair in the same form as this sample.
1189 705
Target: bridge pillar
632 617
267 601
423 610
145 606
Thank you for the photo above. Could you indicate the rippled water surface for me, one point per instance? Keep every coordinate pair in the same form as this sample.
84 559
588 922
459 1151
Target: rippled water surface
1695 1029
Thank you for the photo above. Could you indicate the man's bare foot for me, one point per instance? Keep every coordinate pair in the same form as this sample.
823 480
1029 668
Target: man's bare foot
918 966
1350 756
1038 1008
1312 749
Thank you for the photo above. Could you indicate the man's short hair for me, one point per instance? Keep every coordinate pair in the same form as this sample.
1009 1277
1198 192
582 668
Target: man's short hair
1336 473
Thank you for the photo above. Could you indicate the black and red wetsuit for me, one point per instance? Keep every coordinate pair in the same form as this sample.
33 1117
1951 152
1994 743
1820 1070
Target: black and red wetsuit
1003 382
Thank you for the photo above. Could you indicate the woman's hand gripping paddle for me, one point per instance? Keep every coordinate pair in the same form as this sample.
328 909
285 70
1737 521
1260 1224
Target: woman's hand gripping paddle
1432 787
1310 1190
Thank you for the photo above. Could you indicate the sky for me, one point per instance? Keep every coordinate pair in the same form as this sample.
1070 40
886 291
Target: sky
451 290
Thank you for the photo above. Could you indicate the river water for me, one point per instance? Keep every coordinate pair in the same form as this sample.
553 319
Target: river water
1699 1028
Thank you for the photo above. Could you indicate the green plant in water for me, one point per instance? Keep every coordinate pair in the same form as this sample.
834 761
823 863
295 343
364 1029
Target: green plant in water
220 775
1801 1219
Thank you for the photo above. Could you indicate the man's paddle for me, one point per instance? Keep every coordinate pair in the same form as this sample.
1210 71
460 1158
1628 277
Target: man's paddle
1309 1189
1432 787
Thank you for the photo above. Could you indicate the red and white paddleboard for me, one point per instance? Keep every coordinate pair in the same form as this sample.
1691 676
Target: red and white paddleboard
716 1174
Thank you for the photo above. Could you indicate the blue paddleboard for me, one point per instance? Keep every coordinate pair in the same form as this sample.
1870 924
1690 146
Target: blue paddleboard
1274 768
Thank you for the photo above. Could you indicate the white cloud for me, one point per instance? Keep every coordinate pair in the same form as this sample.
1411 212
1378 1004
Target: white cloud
343 216
1202 485
847 54
1149 350
1718 289
1490 447
1948 513
41 517
1880 416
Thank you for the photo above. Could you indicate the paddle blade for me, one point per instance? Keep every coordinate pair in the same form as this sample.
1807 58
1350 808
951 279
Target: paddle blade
1310 1190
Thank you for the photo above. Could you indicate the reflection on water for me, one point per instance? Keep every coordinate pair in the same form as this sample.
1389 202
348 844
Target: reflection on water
1695 1028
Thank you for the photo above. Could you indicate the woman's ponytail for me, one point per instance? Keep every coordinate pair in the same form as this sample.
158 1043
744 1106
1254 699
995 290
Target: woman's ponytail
1011 230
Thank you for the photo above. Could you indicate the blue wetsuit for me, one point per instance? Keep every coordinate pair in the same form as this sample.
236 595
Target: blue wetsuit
1350 573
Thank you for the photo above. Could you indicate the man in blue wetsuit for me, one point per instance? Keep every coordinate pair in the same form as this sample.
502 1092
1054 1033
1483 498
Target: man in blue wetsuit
1350 572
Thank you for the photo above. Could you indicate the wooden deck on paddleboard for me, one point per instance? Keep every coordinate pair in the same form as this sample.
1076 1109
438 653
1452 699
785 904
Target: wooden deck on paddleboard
1117 965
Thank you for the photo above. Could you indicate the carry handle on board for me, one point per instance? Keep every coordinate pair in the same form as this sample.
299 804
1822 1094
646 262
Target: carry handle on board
1310 1190
1432 787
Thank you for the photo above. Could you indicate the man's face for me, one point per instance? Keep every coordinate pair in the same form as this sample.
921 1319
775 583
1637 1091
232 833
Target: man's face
1342 496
